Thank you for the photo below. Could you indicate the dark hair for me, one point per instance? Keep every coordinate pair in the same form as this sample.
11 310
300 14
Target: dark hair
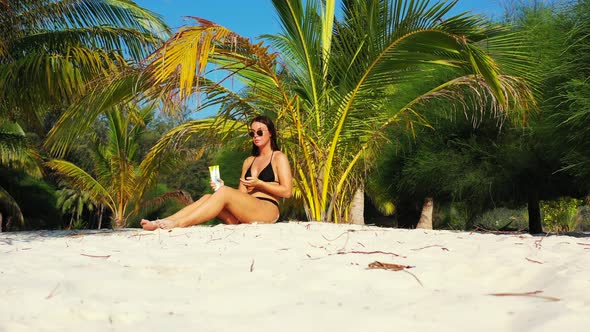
271 129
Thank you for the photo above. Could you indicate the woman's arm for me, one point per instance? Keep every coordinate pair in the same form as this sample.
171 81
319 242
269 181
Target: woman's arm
245 166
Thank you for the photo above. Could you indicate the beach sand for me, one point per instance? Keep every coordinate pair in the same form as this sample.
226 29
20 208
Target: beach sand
293 277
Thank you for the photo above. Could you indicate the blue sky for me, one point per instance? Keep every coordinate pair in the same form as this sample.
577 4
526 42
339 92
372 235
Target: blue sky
252 18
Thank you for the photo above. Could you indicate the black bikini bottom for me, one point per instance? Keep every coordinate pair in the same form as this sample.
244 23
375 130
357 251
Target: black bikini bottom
270 200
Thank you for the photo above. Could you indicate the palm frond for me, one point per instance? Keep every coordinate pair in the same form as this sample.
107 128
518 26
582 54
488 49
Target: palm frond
180 196
81 115
76 177
50 50
34 15
186 54
178 137
11 205
15 151
131 43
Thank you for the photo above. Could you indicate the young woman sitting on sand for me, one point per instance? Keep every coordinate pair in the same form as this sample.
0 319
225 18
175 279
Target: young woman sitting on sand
266 176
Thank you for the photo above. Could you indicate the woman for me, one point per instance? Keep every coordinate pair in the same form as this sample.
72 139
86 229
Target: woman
266 176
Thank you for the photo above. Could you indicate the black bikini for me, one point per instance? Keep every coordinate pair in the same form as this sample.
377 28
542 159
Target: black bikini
268 199
267 175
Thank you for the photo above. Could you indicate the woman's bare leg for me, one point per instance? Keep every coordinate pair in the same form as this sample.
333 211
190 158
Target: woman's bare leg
228 200
185 211
188 210
225 216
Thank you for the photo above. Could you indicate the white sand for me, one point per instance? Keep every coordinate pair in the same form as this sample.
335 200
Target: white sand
292 277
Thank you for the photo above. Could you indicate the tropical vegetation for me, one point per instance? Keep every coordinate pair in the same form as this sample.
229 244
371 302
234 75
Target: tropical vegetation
118 179
326 86
396 101
51 52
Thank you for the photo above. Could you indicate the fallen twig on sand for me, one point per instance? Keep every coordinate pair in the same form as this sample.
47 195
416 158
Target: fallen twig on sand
393 267
52 293
96 256
583 244
388 266
347 238
432 246
140 235
369 253
252 266
319 247
529 294
533 261
538 243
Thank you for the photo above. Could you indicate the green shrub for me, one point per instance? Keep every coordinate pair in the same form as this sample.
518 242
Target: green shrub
79 224
453 216
504 219
584 215
561 215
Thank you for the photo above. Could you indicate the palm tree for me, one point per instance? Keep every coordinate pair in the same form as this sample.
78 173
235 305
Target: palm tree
326 82
15 153
73 202
51 49
118 180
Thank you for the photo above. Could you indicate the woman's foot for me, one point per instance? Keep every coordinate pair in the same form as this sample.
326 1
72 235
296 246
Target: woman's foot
149 225
166 224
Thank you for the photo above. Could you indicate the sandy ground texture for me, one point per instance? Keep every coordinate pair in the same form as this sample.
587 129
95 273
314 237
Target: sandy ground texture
293 277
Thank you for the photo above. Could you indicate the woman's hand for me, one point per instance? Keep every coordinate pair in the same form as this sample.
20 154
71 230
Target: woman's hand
250 183
214 185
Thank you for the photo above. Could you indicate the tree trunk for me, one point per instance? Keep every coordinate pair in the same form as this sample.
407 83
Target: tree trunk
100 217
1 225
425 221
357 207
535 225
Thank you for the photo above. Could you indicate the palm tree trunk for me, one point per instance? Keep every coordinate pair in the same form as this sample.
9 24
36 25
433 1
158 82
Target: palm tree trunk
357 207
425 221
535 226
100 217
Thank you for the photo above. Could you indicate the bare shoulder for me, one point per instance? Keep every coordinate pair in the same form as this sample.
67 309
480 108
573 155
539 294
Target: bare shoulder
281 160
247 162
280 156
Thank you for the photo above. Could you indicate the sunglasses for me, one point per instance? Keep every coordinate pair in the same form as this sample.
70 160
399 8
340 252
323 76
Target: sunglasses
258 132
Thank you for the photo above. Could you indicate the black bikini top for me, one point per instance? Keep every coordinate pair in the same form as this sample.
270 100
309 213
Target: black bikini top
266 175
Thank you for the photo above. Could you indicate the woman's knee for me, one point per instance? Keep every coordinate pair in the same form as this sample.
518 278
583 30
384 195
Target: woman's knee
222 191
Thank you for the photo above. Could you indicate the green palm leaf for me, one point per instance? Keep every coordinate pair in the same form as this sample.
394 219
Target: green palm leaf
15 152
11 205
76 177
62 46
